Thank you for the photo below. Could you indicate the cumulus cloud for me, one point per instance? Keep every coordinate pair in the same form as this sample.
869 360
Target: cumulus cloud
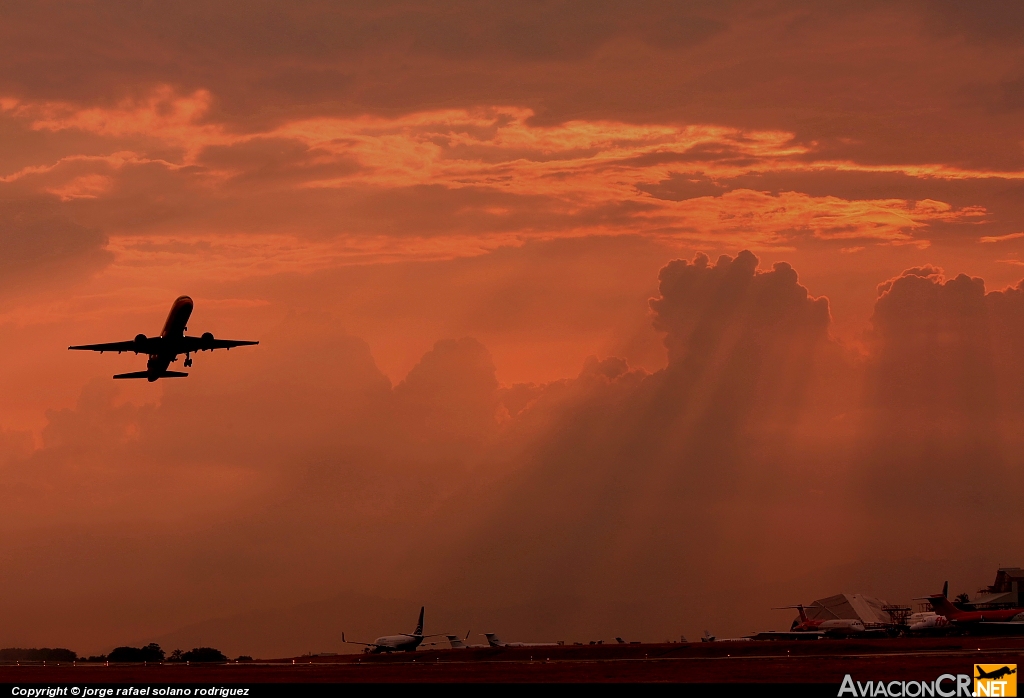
450 398
945 387
616 500
286 156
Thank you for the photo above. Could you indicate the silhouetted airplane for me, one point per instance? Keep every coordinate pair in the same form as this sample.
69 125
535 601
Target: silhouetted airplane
404 642
997 674
164 349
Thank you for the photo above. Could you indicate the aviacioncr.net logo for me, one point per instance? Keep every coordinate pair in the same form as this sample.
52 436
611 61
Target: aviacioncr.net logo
995 680
946 686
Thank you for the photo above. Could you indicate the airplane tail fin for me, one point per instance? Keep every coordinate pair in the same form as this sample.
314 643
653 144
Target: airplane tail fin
945 589
419 625
943 607
799 607
146 374
493 640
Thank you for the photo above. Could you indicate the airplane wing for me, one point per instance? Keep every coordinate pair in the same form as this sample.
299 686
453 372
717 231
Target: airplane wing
1014 623
783 635
208 343
147 374
355 642
130 345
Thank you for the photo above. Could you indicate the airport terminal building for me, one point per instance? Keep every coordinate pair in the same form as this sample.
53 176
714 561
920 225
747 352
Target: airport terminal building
1006 592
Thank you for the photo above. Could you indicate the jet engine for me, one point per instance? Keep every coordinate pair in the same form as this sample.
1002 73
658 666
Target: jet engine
207 338
140 341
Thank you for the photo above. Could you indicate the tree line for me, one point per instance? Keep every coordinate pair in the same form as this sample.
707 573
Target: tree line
150 653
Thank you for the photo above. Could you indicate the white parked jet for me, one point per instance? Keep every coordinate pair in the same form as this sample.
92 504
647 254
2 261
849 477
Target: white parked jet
930 621
708 637
459 643
405 642
495 641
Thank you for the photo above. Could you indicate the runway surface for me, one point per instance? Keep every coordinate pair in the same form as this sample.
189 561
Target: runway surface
809 661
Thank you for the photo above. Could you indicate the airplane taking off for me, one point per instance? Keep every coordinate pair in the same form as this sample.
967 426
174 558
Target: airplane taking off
165 348
405 642
495 641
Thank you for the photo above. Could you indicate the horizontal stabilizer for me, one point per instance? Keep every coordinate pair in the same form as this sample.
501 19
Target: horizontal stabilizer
146 374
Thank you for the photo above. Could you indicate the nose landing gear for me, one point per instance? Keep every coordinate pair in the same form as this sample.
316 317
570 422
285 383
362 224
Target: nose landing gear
188 361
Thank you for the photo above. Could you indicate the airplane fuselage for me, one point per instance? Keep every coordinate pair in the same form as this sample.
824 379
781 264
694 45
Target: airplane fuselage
174 329
395 643
834 626
177 318
495 641
943 607
923 622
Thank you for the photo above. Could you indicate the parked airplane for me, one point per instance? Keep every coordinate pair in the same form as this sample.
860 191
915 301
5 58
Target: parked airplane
999 616
405 642
459 643
708 637
827 626
495 641
165 348
924 622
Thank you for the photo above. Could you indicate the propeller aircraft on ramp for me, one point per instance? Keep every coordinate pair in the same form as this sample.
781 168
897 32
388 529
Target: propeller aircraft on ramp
165 348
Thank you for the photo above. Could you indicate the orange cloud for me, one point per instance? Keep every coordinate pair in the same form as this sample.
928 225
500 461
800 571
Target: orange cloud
1000 238
163 115
588 177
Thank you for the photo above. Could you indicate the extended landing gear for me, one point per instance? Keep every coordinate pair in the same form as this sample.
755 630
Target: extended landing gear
188 361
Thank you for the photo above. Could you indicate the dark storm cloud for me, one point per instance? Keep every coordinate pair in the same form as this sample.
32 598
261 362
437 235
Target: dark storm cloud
699 301
997 22
311 50
623 471
753 65
274 162
450 397
620 499
37 238
623 490
943 400
997 97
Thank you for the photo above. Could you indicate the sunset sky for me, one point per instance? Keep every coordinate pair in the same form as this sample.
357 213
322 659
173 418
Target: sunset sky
577 319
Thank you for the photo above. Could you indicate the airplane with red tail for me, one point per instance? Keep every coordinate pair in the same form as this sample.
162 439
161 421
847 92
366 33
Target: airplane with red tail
1001 616
825 626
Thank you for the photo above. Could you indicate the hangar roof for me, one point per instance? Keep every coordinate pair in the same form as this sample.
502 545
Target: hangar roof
867 609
